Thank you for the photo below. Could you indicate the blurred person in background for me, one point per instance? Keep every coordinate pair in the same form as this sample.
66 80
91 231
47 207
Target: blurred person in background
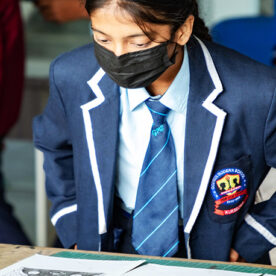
11 88
61 11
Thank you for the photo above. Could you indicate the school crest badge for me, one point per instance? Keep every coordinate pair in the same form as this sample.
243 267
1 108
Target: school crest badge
229 190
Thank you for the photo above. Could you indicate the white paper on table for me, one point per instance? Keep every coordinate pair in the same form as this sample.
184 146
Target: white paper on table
161 270
68 265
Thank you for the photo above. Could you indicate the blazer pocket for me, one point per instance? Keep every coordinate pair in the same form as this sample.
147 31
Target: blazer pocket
229 190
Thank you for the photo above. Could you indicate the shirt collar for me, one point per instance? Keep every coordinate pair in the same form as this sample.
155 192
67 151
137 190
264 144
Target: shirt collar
175 97
136 96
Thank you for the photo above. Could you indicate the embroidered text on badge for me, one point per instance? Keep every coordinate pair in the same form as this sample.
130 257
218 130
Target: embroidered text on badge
229 189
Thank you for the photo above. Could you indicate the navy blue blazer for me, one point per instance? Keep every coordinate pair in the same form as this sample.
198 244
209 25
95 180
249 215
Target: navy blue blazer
229 147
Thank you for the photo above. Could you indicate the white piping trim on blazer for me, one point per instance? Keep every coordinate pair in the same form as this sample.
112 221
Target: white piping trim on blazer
261 229
63 212
93 83
220 114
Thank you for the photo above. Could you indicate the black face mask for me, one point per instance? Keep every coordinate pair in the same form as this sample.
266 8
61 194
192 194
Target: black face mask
135 69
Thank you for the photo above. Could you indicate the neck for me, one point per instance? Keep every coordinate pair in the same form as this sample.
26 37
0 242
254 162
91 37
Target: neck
161 85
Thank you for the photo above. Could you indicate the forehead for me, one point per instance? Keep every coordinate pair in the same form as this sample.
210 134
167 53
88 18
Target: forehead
116 22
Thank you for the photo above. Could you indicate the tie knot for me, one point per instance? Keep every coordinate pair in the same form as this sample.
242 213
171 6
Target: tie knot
159 112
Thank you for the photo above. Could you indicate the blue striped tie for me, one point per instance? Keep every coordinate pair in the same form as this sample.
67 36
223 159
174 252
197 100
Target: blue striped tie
155 218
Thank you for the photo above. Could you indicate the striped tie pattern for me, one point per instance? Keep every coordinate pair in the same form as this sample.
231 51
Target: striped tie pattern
155 218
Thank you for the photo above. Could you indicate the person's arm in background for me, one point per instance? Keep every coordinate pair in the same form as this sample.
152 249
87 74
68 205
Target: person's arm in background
11 88
62 11
11 64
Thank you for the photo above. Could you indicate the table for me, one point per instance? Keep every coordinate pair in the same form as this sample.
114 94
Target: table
10 254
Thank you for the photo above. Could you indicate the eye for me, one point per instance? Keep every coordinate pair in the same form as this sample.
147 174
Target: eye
102 40
141 45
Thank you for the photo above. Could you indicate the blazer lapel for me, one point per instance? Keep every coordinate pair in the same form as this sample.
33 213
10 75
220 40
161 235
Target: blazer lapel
101 119
203 130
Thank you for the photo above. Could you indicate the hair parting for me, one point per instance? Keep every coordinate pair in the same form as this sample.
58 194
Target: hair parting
162 12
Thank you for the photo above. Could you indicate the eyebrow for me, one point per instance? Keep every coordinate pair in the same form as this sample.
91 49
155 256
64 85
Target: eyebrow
129 36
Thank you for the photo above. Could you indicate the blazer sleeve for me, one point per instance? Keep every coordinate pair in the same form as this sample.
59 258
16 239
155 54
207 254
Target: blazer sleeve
257 234
11 64
52 137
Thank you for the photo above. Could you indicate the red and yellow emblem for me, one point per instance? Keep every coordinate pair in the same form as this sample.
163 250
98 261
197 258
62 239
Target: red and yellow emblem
229 184
229 189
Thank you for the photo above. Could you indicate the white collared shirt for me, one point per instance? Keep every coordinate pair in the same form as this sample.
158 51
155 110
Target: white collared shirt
135 127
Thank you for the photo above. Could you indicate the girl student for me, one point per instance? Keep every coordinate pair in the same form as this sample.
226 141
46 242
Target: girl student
156 139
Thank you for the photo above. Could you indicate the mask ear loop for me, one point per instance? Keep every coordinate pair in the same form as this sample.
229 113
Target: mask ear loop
175 52
171 40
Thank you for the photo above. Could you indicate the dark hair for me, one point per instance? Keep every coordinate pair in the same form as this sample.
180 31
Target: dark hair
164 12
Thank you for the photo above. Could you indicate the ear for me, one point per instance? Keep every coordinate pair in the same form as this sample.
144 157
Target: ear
184 33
